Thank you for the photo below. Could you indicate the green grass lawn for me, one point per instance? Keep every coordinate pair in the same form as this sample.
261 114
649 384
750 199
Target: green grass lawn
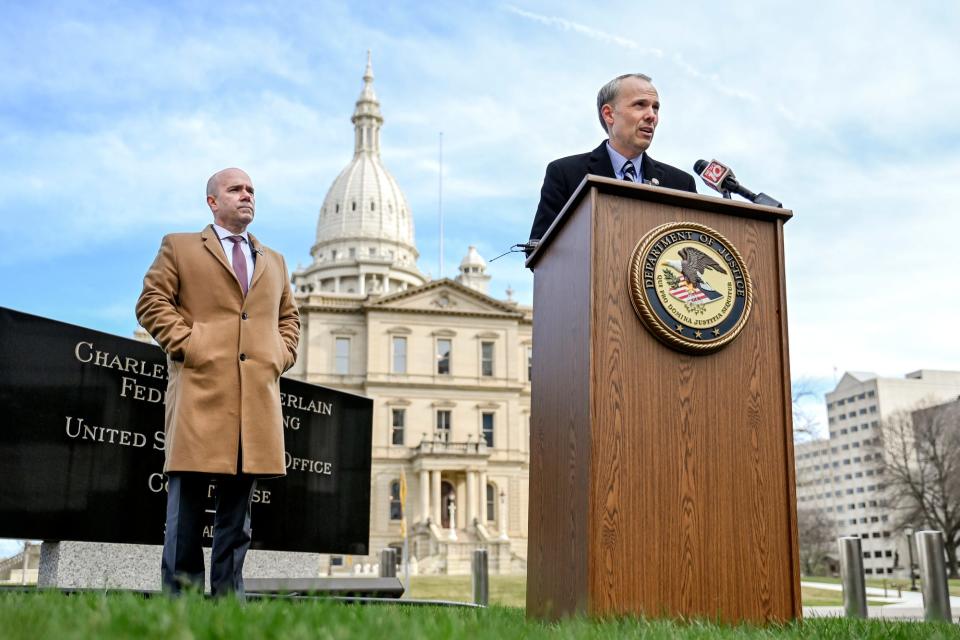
510 591
36 616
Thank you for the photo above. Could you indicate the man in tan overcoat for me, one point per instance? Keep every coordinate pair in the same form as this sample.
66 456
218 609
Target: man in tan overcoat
219 303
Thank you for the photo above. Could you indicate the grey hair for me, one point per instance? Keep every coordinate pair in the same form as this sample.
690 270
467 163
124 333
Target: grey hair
608 93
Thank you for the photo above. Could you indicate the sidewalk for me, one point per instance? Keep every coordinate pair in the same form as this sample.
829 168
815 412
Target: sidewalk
909 606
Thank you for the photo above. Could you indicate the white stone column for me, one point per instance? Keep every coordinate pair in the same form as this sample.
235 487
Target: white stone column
336 284
424 495
482 494
435 497
461 489
504 516
471 497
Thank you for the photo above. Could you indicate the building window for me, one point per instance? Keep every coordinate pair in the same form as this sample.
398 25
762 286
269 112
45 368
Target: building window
443 424
396 509
487 424
399 354
444 346
398 417
529 364
486 359
491 503
342 365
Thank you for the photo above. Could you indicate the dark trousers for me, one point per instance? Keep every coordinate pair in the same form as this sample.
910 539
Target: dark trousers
182 563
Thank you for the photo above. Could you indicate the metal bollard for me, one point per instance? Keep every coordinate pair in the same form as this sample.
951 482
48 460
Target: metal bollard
481 579
388 563
851 576
933 576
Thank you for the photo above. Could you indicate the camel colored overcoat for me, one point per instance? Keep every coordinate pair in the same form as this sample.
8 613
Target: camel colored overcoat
225 353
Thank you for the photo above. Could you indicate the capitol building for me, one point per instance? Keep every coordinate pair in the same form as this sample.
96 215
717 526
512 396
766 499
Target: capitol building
446 363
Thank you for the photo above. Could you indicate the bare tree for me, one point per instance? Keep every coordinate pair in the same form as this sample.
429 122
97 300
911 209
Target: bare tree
921 462
806 426
817 541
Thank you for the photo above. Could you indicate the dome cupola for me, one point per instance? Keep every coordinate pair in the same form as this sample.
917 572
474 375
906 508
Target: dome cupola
365 241
473 271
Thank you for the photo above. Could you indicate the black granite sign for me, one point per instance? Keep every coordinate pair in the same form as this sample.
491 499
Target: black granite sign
81 447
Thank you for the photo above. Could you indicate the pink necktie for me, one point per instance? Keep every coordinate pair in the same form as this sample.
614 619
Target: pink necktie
239 262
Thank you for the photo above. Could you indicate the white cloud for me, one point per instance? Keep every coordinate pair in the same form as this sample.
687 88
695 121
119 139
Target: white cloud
847 116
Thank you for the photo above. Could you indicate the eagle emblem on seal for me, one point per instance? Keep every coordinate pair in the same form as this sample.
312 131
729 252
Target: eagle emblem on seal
690 286
693 289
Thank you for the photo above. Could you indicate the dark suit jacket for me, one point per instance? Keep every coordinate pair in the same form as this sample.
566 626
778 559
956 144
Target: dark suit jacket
564 175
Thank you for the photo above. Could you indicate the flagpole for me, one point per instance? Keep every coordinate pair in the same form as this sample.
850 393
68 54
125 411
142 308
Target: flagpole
440 195
405 554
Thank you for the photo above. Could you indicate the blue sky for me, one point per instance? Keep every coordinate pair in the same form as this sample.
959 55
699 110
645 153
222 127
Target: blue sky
112 115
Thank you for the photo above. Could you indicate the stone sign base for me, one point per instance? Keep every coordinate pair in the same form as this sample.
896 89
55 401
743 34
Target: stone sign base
95 565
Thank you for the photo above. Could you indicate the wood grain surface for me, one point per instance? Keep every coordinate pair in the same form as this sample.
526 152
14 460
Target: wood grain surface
560 438
690 509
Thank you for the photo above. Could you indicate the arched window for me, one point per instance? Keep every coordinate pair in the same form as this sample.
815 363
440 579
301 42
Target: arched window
373 206
396 509
491 502
353 206
337 209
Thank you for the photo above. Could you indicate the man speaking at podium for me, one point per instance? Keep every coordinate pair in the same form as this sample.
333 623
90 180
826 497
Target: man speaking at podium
219 304
629 109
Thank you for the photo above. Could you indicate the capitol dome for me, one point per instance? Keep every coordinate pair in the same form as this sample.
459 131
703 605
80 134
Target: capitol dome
365 241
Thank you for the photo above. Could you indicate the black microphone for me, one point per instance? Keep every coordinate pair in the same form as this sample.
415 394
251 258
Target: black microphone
719 177
524 247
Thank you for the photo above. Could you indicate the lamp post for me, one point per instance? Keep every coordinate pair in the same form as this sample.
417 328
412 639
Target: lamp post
909 532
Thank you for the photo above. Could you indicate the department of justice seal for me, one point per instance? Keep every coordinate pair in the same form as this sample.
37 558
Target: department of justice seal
690 287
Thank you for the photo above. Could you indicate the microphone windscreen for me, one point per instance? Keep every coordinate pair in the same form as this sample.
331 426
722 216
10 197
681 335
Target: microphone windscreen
699 166
713 174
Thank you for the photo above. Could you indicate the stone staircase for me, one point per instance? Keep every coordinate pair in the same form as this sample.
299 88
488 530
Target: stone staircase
436 553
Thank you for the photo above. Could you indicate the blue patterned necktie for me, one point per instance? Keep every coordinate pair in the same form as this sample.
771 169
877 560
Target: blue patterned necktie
629 171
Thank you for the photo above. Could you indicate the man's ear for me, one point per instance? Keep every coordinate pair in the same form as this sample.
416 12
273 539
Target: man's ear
212 202
607 112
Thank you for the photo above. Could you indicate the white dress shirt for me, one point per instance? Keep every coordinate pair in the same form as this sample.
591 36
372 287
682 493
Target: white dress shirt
227 245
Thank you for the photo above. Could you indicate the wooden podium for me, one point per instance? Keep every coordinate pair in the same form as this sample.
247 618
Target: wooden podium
661 483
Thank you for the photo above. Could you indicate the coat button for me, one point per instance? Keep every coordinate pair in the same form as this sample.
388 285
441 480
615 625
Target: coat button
244 316
243 357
